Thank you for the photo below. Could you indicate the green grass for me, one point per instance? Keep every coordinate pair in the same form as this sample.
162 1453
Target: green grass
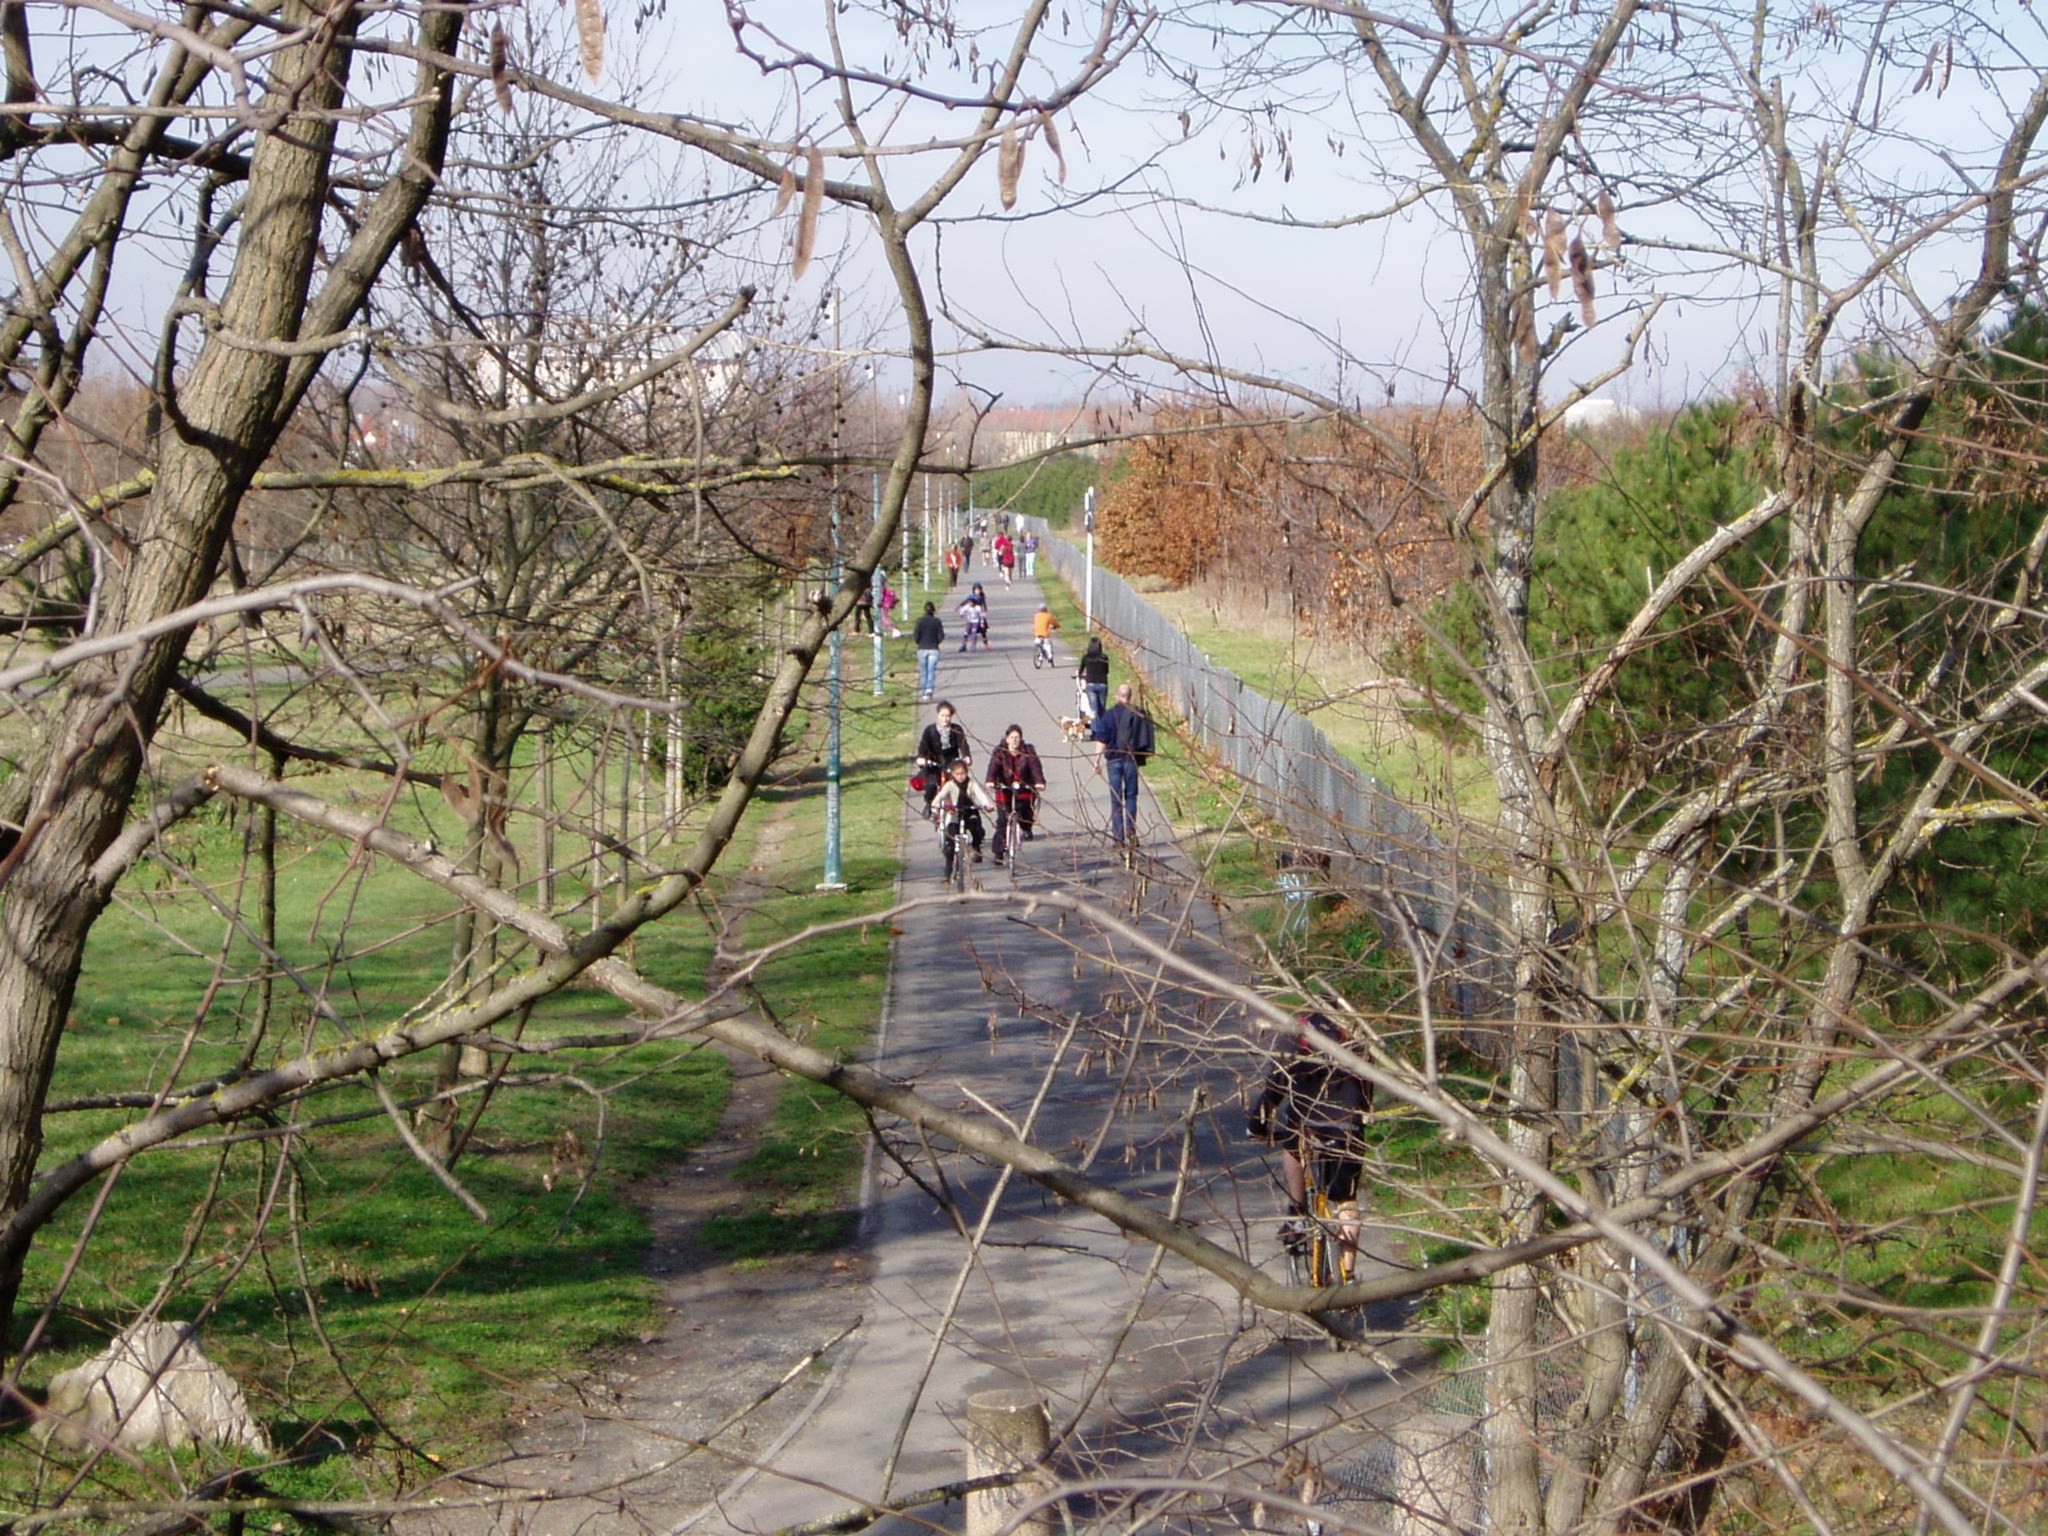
1322 680
801 1184
374 1322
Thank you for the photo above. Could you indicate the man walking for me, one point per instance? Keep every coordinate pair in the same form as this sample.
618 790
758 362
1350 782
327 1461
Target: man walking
930 638
1123 740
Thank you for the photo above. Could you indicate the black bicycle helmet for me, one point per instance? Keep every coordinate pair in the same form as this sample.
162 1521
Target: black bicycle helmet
1322 1024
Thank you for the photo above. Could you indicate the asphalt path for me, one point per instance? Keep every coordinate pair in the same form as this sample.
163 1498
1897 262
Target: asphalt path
982 1281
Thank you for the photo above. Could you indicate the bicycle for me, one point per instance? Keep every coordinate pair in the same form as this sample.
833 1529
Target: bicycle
954 849
1041 652
1009 799
1315 1250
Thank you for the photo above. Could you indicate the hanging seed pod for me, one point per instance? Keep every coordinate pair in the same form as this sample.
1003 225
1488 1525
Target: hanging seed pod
807 217
1553 251
1052 142
1610 229
1525 329
785 190
590 36
501 67
1009 165
1582 279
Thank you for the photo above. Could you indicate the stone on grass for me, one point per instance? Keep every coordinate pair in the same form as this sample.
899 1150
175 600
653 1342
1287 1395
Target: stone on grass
153 1386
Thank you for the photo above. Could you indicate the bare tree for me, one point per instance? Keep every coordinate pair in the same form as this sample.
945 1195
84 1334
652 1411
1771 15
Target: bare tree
1702 1001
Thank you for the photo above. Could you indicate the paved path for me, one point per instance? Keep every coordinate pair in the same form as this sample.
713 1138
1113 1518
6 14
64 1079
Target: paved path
1155 1365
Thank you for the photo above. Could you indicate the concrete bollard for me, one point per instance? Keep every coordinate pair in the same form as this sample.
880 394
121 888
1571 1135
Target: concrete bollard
1007 1431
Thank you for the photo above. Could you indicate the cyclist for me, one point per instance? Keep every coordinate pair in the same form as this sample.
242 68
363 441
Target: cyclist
943 743
1042 626
959 795
1315 1111
1017 777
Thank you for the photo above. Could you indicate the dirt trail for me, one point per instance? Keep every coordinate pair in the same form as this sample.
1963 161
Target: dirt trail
610 1449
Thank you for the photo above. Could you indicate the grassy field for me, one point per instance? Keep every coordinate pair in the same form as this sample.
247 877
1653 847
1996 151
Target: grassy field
373 1319
1338 688
802 1179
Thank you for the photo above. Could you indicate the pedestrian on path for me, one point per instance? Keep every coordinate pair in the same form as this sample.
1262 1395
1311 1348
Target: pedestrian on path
889 601
1123 741
975 617
1029 546
952 565
1094 675
930 638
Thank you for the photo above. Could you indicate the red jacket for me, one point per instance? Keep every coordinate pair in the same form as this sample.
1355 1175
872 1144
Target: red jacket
1020 767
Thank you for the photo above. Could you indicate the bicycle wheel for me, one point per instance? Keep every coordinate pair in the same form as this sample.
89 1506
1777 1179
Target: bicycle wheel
956 857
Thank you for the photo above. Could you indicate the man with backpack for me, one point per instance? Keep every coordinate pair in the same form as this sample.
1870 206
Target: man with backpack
1124 741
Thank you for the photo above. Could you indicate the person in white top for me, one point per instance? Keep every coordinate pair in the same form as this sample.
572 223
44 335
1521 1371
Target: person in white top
963 793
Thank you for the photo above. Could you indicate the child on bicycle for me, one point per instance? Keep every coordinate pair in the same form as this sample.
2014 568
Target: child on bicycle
960 796
1017 777
1315 1111
1042 626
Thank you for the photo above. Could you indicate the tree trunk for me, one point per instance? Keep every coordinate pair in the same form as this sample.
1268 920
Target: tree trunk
217 430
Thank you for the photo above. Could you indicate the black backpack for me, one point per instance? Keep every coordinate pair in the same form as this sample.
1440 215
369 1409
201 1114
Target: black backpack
1136 736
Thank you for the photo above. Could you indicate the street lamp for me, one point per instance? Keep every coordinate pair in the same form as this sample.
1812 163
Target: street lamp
832 880
1088 525
875 513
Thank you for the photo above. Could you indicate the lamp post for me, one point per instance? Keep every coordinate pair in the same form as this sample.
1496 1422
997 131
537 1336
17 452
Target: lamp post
875 518
1088 524
832 880
903 512
875 587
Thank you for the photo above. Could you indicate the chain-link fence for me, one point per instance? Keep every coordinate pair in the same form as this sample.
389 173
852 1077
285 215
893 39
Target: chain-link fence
1374 844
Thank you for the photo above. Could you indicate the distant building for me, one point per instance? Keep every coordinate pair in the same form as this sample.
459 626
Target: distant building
1010 433
578 356
1597 415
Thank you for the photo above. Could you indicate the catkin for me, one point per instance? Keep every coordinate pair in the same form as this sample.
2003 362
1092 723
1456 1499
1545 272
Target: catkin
1553 251
1009 165
1052 142
501 67
807 218
1610 228
590 36
1582 279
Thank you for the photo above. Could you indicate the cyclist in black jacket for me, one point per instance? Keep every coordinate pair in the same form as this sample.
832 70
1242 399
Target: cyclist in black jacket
1315 1111
943 743
1018 778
